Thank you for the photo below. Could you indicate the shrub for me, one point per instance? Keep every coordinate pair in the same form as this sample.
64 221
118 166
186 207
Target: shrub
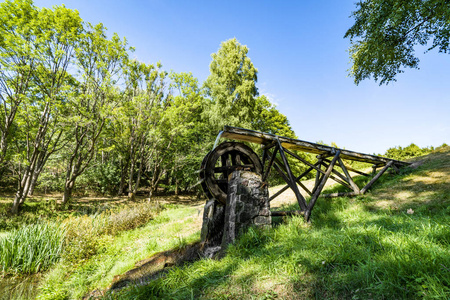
86 234
31 248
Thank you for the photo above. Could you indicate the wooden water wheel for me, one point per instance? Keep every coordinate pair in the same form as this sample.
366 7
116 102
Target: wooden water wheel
221 162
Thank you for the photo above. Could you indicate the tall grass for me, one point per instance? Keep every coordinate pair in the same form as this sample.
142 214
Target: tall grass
31 248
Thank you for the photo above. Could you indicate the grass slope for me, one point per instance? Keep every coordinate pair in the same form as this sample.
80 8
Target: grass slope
392 243
174 227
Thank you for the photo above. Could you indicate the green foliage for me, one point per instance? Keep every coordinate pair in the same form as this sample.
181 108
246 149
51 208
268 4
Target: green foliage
385 33
410 151
31 248
86 235
231 86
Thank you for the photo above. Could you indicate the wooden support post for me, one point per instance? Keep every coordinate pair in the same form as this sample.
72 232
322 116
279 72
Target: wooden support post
344 183
287 186
364 189
318 175
263 162
351 169
318 190
396 169
304 188
350 180
269 167
301 201
374 170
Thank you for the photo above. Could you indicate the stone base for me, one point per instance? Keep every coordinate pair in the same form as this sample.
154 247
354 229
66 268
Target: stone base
247 205
212 227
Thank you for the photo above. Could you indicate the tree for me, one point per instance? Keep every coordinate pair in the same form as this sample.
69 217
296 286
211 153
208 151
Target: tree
56 36
385 33
17 61
99 61
231 86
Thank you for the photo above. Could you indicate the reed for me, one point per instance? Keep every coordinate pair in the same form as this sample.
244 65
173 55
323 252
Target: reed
31 248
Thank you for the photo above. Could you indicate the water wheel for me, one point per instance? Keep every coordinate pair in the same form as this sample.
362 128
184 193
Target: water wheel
218 164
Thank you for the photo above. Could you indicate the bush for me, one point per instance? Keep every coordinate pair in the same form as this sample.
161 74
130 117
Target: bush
86 234
31 248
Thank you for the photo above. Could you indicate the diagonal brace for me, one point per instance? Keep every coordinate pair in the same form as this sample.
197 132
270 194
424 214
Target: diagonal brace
319 188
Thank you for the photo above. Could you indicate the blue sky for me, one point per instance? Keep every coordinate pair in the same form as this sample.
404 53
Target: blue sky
302 60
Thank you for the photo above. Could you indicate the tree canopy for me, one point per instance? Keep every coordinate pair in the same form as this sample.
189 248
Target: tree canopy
385 33
77 114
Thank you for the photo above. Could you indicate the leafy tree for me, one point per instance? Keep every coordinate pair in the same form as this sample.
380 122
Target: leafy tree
100 61
57 33
231 86
385 33
18 57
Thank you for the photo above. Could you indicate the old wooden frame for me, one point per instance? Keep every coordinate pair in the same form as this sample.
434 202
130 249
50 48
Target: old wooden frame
328 157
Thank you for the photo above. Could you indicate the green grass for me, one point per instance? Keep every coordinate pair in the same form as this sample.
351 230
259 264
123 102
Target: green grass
32 248
115 255
392 243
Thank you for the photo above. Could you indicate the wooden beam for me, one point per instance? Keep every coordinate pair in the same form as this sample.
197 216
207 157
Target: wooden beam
295 144
350 180
317 192
351 169
364 189
287 186
343 183
301 201
272 158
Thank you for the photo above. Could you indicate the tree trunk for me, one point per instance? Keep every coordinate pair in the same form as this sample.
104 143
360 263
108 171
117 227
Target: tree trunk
68 188
123 174
176 187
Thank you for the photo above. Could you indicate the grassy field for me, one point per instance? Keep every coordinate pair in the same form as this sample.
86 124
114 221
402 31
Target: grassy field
392 243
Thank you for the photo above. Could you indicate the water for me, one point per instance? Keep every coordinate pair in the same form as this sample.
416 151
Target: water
18 288
217 140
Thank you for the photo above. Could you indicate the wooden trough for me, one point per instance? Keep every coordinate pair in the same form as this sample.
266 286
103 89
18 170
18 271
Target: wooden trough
223 160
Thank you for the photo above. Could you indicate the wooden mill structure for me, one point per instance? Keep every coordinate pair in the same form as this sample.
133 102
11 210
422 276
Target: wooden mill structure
229 156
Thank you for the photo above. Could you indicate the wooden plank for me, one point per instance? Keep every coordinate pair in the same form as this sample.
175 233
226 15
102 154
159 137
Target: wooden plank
288 143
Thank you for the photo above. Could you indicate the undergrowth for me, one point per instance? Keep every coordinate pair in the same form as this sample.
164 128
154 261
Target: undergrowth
35 247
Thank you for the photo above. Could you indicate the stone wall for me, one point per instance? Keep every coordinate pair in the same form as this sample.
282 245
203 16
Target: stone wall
247 205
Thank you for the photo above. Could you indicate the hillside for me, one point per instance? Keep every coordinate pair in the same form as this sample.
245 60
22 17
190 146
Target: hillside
391 243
